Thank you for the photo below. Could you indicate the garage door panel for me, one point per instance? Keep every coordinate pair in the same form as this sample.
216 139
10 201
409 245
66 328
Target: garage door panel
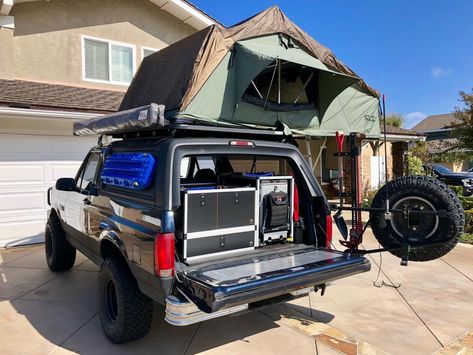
19 202
22 174
29 165
65 170
22 232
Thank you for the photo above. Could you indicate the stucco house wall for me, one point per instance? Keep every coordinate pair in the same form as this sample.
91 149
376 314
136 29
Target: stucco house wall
48 47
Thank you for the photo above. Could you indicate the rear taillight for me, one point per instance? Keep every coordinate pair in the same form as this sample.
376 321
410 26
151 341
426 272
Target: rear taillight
328 231
164 255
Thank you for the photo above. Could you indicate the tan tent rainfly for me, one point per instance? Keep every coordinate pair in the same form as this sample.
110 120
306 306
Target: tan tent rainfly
263 70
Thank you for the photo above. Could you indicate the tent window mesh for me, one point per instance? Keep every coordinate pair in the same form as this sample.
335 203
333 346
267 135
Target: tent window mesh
297 86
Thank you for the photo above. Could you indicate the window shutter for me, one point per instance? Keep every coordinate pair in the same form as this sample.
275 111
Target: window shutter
96 60
122 63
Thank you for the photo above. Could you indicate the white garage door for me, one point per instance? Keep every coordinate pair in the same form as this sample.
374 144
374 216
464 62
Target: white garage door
29 165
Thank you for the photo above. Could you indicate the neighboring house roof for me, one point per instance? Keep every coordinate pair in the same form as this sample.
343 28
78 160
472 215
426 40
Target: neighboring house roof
436 123
400 131
182 9
27 94
398 134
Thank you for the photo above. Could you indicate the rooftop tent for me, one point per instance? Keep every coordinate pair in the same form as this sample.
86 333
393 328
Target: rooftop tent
263 70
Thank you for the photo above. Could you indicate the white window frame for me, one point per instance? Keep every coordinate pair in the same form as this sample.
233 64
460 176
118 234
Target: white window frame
109 43
147 48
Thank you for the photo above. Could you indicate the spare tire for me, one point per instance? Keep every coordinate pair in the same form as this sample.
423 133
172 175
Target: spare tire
429 235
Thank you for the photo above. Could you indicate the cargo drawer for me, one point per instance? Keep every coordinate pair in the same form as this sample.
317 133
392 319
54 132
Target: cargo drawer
218 221
250 279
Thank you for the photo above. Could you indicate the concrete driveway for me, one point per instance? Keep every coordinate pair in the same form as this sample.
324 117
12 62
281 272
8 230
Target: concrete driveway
432 310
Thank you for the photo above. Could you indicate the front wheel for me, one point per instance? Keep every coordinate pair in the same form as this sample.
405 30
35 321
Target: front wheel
125 312
431 234
60 255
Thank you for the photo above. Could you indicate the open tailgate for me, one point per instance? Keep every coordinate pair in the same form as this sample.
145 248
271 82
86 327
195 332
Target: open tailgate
255 278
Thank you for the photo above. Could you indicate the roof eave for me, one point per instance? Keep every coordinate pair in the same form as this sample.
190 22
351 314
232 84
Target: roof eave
181 9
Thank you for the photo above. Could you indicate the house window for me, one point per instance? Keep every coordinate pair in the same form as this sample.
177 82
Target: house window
147 51
106 61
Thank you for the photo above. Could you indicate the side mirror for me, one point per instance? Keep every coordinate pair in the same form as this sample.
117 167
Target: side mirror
66 184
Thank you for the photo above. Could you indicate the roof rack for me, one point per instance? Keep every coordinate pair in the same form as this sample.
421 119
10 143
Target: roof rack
150 121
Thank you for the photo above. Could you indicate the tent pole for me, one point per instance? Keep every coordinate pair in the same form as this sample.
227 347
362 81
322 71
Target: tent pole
309 153
279 80
322 147
303 88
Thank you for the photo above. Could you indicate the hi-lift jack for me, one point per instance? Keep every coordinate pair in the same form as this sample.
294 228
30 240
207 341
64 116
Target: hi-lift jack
353 238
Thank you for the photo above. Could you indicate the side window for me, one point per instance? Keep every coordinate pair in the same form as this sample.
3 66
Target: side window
88 174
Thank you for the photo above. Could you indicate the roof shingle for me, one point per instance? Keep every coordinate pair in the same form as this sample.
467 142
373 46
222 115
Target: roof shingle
20 93
436 122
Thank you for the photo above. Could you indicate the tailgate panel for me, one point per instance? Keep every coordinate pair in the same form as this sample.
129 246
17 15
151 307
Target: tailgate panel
253 279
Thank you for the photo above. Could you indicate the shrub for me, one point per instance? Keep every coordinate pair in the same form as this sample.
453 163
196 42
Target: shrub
467 202
467 238
414 165
457 189
368 198
469 221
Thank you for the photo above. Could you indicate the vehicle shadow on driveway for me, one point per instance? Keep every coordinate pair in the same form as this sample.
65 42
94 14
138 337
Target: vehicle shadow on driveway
44 312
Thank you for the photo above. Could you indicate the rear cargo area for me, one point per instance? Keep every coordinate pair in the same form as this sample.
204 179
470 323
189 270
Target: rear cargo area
249 230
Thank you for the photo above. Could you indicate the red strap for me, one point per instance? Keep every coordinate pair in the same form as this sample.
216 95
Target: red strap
340 136
296 203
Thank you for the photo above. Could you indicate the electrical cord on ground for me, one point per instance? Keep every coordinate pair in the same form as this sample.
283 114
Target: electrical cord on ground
376 282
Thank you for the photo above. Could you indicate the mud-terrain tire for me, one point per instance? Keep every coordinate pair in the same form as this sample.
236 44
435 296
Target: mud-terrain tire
429 236
60 255
125 312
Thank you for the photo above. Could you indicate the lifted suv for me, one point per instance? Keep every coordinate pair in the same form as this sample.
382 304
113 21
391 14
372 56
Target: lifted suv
204 226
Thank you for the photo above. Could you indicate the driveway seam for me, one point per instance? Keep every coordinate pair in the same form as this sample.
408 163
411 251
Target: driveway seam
74 332
408 304
192 339
454 268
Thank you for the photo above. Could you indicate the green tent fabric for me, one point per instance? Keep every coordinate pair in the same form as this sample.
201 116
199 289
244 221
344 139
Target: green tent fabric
257 73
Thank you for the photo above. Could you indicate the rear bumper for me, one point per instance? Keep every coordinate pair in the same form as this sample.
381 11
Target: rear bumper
212 299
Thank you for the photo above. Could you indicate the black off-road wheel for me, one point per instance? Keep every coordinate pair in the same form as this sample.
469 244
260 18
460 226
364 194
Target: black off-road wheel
430 236
60 255
125 312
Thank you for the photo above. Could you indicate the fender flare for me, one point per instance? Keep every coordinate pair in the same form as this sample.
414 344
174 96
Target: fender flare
112 237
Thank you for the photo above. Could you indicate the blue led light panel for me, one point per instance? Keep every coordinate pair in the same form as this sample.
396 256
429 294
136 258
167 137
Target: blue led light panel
133 171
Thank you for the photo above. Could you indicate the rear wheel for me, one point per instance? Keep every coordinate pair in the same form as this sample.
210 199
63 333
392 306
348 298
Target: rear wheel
431 235
125 312
60 255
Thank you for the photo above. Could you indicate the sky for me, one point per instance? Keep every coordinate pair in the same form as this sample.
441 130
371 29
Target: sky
418 53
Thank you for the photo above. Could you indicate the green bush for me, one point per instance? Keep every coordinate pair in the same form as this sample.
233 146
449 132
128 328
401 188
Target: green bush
457 189
467 238
469 221
414 165
368 198
467 202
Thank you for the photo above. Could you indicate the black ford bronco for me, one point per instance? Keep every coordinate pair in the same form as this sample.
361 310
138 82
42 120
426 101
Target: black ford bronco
207 224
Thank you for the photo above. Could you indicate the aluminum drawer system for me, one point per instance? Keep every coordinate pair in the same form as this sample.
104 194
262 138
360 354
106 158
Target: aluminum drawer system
218 222
264 185
248 279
